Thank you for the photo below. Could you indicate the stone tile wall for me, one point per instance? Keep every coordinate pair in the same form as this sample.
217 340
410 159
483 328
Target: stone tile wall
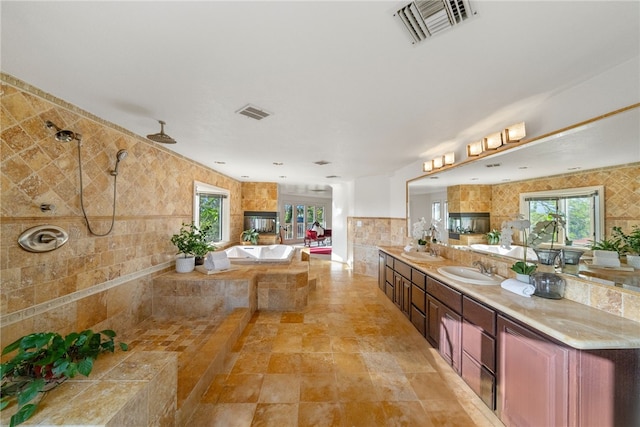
90 280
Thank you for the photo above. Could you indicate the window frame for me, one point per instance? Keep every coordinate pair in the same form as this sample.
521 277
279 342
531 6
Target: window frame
564 193
204 188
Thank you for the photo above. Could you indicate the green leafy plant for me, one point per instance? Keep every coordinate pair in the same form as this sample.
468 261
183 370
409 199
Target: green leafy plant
522 267
630 243
250 235
493 237
43 361
422 242
614 244
192 241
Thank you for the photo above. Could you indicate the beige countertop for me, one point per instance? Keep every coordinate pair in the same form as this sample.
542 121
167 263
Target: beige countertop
569 322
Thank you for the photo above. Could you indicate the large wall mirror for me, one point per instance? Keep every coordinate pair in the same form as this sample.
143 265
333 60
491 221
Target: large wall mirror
583 150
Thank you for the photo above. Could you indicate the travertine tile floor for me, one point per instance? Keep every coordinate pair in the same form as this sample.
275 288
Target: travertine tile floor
349 359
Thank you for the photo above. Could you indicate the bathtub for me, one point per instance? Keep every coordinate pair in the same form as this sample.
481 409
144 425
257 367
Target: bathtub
279 254
514 252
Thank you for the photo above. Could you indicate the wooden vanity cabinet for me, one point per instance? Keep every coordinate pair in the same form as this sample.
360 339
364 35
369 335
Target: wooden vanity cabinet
478 365
545 383
382 263
419 300
444 321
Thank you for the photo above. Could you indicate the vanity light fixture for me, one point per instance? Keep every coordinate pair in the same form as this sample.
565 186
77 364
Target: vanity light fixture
449 158
438 162
515 133
427 166
474 149
493 141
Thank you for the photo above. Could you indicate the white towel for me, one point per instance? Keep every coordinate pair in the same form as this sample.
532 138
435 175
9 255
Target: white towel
518 287
606 261
605 254
217 261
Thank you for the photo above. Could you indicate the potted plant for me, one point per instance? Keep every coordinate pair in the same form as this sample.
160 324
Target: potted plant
546 232
630 244
493 237
43 361
191 242
250 236
523 269
422 245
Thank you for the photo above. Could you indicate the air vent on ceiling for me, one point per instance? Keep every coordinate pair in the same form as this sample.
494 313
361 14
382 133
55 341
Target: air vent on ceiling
253 112
426 18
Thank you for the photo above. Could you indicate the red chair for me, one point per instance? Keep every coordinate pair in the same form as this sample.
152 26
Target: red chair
311 236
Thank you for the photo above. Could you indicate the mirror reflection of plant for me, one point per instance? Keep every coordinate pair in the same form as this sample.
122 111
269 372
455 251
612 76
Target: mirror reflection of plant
493 237
546 231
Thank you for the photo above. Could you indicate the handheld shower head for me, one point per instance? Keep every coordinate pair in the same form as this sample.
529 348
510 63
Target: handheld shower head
63 135
120 155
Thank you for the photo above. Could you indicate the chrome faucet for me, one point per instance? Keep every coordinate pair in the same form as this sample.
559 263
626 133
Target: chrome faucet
485 269
433 251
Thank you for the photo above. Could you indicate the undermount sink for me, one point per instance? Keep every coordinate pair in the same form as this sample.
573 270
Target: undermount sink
469 275
422 256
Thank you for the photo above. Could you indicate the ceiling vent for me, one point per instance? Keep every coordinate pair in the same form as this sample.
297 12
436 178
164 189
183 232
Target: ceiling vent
253 112
424 19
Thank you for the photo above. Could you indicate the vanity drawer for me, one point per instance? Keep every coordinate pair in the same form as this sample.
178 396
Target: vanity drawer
445 294
403 269
480 380
390 261
419 279
479 345
419 320
479 315
419 298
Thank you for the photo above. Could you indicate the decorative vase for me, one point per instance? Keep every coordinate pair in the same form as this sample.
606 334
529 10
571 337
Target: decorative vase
548 285
547 259
422 248
525 278
571 261
185 264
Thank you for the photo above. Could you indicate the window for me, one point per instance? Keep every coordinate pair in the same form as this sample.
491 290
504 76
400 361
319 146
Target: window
211 207
582 208
435 211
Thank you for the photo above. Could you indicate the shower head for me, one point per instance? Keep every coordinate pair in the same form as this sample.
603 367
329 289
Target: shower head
120 155
63 135
161 137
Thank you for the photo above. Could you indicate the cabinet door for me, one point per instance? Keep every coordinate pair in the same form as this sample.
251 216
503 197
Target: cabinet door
533 378
406 297
450 343
433 321
397 287
381 270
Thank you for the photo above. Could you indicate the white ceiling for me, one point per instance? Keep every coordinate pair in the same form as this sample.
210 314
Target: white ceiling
342 79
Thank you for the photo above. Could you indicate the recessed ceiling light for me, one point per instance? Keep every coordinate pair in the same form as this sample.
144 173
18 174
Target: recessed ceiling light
474 179
332 176
220 163
523 167
321 162
574 168
282 176
433 177
244 176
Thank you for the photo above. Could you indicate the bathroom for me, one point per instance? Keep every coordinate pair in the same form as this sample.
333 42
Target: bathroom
101 282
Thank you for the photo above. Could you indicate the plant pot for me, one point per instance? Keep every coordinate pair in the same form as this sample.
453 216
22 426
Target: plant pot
185 264
571 261
633 261
422 248
525 278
